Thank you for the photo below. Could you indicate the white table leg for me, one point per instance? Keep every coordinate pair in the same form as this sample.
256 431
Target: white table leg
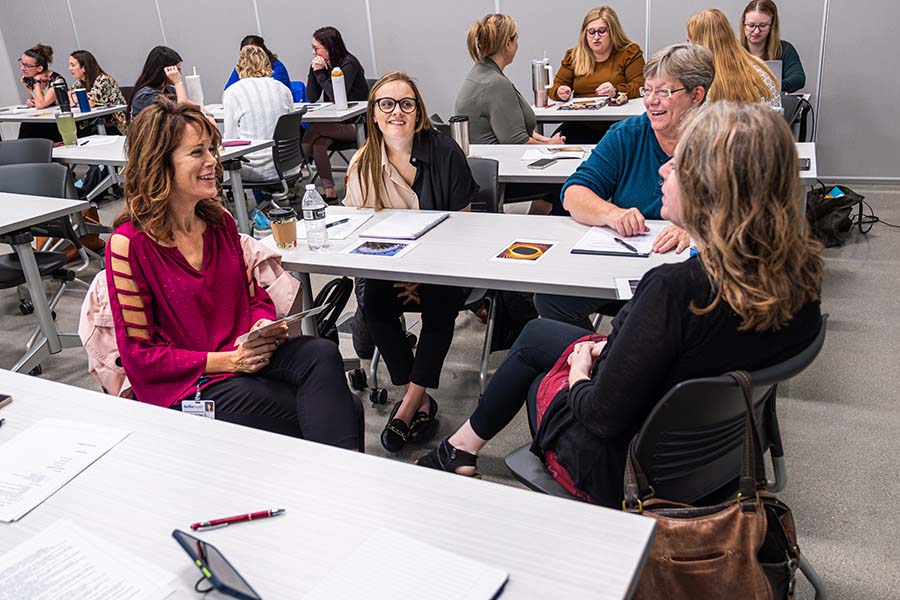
360 134
101 127
240 201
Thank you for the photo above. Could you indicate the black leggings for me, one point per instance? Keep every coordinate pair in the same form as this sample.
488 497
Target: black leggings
534 353
439 306
302 393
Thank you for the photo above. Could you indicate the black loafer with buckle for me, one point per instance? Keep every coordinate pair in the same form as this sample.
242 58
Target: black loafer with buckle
395 433
423 425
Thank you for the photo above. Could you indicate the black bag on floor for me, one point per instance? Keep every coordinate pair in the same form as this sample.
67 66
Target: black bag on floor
335 294
829 217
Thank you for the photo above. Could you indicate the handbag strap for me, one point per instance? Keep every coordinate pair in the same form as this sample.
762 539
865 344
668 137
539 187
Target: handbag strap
637 487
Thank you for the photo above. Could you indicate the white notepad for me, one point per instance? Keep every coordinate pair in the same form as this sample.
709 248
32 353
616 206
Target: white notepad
602 240
428 572
405 225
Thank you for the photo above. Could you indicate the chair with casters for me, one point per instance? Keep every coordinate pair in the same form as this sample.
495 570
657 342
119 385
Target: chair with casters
51 180
287 156
689 447
29 150
485 171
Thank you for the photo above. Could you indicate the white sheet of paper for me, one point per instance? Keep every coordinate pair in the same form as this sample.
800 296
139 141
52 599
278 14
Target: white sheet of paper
46 456
65 561
337 232
428 572
602 240
538 153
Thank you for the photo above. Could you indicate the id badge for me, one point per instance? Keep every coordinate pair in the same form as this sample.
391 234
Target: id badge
201 408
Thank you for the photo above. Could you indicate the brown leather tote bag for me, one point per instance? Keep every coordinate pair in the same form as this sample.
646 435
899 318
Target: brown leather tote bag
743 548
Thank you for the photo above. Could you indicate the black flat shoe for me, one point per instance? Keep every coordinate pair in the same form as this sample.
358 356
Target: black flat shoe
445 457
395 433
423 425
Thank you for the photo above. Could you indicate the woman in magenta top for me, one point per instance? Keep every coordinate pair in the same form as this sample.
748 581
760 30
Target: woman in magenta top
181 293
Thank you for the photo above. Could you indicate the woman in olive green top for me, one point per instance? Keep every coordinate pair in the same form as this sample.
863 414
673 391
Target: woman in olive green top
604 63
498 114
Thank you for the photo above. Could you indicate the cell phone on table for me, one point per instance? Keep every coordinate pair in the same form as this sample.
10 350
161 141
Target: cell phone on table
804 164
542 163
230 143
5 399
216 569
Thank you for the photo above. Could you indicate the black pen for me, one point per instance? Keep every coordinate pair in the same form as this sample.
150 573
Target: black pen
338 222
622 242
84 143
2 421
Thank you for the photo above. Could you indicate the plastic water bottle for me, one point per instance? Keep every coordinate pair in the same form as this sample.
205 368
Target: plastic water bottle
314 218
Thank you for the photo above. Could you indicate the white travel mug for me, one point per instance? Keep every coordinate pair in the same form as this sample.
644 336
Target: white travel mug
338 88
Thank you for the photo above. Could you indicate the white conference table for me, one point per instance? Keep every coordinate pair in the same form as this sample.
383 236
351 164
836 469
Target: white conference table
176 469
458 252
552 114
18 212
512 169
317 112
23 114
110 150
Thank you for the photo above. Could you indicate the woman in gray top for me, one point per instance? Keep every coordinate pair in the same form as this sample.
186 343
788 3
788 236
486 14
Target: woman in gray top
498 114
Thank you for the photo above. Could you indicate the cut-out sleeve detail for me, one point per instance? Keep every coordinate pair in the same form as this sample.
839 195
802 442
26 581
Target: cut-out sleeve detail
261 305
150 360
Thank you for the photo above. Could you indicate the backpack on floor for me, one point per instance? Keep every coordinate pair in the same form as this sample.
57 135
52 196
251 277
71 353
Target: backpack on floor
829 210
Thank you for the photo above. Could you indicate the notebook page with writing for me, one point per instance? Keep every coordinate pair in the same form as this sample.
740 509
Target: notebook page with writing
602 240
428 572
405 225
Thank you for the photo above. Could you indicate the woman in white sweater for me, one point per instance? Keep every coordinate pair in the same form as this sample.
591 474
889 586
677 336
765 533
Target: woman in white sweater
252 108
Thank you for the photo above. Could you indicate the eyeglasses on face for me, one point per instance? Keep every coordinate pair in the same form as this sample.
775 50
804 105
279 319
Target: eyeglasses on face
598 32
26 65
407 105
758 26
649 92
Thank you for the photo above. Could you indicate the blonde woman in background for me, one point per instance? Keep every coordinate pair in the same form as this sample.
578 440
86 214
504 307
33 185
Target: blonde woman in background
739 75
498 113
761 36
605 62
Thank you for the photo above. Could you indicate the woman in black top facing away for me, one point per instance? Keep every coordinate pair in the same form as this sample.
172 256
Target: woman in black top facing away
329 52
748 300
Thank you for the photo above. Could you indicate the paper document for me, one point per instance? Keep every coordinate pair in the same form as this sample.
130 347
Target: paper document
46 456
603 240
405 225
340 231
575 152
65 561
428 572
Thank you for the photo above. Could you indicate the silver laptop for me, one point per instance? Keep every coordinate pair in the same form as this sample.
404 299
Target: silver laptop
775 67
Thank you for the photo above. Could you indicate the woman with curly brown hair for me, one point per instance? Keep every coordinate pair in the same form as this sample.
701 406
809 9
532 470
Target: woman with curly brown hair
181 294
748 300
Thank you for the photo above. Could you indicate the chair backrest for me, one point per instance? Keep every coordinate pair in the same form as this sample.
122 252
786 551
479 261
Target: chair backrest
796 112
32 150
439 124
485 172
690 445
52 180
286 152
127 91
370 83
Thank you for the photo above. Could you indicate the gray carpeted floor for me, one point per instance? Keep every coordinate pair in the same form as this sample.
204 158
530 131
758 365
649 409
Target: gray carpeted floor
839 419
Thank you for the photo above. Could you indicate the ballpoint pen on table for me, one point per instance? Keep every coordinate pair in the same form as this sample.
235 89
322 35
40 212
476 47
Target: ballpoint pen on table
84 143
625 244
338 222
225 521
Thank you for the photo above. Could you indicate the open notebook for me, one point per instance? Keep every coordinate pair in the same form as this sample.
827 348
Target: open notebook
428 572
405 225
605 240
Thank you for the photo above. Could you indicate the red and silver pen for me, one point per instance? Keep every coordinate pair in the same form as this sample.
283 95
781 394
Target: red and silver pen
225 521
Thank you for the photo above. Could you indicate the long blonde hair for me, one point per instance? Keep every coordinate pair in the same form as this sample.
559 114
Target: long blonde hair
740 197
582 56
490 35
368 165
153 137
737 75
773 41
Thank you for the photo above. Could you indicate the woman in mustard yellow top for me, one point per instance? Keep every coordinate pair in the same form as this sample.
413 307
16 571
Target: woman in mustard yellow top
603 63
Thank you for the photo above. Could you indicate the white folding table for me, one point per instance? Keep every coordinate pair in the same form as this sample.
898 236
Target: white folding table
22 114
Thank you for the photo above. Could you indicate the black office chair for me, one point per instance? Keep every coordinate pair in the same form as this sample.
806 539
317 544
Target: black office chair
485 171
287 156
51 180
438 123
797 113
690 445
127 92
29 150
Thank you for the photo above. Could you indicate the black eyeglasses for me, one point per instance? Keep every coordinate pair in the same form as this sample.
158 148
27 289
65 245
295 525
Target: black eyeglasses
26 65
407 105
599 31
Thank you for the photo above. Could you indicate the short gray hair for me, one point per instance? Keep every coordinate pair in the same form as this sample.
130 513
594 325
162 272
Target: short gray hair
691 64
